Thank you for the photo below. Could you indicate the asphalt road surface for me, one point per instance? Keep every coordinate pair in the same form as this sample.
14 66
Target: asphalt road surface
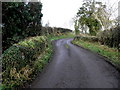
74 67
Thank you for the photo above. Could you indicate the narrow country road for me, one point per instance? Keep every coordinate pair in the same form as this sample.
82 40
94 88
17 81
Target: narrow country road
75 67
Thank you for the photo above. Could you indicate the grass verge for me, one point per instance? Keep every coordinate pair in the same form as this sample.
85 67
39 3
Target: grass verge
111 53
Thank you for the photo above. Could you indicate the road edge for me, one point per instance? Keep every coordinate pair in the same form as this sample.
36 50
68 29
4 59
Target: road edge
105 58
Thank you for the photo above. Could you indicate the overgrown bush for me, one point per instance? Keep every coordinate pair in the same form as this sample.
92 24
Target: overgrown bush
18 60
110 37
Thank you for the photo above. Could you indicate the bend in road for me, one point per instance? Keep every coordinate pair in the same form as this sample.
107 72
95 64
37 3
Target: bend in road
75 67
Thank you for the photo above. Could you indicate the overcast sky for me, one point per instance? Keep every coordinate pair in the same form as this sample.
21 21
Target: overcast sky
59 13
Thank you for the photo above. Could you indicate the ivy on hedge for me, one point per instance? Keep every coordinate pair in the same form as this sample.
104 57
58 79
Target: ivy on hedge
18 60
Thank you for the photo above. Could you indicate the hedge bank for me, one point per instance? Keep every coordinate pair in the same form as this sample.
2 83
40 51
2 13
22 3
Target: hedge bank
18 61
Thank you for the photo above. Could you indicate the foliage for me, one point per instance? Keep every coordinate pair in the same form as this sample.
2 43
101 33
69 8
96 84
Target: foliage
93 15
20 20
43 59
110 37
18 60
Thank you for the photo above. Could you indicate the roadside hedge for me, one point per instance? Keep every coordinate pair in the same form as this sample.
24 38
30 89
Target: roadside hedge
87 38
110 37
18 60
